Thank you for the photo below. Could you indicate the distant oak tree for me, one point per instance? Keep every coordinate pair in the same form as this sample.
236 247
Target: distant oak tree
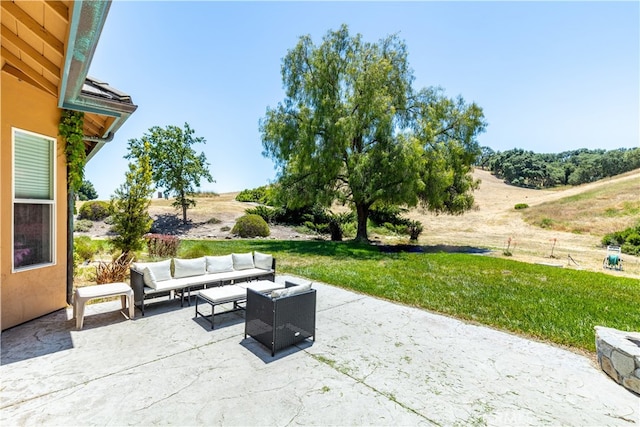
176 167
352 129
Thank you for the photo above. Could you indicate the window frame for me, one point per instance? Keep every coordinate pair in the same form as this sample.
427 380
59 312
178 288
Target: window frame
50 202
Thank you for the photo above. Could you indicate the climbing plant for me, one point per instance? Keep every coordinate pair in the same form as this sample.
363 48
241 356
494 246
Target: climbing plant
70 128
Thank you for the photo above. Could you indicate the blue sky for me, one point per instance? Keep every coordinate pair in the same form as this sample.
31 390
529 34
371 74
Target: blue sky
550 76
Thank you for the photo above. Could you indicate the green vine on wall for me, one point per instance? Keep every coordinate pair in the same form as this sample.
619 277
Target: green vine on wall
70 128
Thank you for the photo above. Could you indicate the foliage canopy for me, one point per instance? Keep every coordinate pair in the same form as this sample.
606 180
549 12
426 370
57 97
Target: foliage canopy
175 165
353 129
539 170
87 191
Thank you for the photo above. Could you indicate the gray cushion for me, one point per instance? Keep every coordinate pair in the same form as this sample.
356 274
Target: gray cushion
262 261
219 264
188 267
293 290
242 261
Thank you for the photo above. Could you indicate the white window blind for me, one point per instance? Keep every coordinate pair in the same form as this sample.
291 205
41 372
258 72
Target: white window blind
34 203
33 166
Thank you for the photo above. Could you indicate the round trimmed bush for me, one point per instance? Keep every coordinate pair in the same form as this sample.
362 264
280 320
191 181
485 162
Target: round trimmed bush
94 211
82 225
251 225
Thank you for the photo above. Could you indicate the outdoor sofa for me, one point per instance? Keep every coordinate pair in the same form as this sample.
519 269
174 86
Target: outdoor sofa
181 276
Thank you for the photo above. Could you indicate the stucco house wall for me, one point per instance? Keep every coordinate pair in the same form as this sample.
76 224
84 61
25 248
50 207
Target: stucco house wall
33 292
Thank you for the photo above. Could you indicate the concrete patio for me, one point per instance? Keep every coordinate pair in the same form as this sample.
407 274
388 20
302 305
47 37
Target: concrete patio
373 363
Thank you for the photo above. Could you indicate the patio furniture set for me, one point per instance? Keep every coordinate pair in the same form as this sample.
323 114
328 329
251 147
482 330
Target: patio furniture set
277 316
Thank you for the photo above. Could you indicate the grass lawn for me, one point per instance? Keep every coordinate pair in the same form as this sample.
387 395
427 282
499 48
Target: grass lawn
548 303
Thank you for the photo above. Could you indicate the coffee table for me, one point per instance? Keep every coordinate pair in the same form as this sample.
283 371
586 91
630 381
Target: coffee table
235 293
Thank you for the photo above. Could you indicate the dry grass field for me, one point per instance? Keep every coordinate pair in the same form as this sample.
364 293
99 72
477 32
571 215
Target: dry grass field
561 227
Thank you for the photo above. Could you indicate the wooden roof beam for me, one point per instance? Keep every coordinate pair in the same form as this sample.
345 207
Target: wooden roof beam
12 38
29 72
13 9
59 8
94 128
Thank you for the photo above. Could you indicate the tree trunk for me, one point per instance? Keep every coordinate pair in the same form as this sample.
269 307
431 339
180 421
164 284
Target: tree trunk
362 209
184 204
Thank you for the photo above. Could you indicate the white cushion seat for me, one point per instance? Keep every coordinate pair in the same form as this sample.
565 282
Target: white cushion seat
221 294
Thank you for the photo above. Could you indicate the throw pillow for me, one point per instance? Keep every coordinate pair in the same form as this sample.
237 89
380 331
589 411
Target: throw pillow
293 290
188 267
154 271
262 261
219 264
242 261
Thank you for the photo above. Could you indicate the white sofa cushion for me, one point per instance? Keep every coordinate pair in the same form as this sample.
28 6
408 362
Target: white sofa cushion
188 267
293 290
262 261
154 272
219 264
242 261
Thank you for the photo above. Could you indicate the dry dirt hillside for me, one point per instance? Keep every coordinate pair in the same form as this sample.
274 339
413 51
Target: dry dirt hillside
487 229
495 221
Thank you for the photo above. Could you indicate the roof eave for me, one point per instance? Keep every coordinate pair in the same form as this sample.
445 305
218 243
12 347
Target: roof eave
87 22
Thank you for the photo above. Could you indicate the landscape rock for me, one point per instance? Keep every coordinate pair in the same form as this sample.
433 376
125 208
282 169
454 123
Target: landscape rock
618 353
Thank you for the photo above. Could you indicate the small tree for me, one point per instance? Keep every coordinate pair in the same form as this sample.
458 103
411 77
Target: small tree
87 191
175 165
130 205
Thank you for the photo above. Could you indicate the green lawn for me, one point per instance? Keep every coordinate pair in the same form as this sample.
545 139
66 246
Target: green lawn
553 304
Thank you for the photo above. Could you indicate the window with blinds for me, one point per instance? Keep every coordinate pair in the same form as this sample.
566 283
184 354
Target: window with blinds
33 199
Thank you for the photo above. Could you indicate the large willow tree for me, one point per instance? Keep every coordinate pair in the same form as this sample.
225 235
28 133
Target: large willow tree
351 128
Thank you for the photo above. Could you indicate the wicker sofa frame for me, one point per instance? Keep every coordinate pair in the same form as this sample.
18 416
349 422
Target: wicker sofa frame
278 323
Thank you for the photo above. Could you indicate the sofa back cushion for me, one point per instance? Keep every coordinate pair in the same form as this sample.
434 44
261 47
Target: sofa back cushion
242 261
219 264
262 261
189 267
293 290
154 271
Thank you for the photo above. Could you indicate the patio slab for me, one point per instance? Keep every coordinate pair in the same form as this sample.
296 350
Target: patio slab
373 363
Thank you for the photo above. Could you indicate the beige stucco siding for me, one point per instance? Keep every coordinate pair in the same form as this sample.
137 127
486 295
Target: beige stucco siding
28 294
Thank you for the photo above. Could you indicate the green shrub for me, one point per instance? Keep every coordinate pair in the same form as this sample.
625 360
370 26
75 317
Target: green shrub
380 215
162 245
628 240
213 221
251 226
85 248
414 228
519 206
337 223
256 195
546 223
267 213
96 210
225 228
82 225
